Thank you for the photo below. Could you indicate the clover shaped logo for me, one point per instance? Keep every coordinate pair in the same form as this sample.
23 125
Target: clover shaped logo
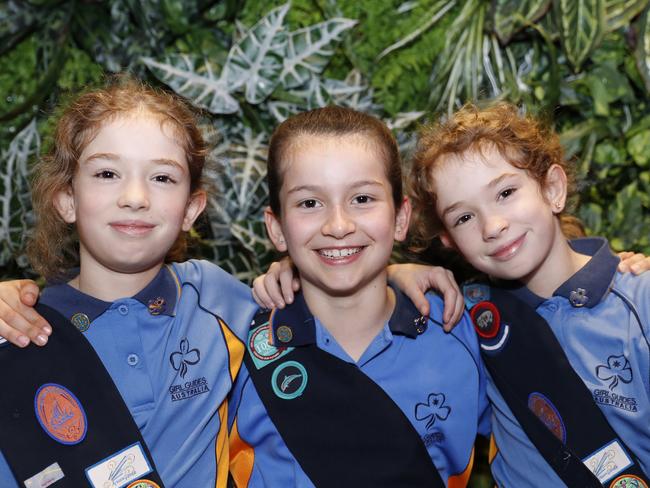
186 356
618 368
435 408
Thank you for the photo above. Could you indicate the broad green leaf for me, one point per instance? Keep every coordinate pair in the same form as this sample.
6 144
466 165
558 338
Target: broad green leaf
511 16
255 62
581 24
194 79
639 148
309 50
620 12
15 200
642 53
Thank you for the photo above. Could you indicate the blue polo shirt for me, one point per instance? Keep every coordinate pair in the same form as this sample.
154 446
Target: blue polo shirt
173 351
602 320
435 378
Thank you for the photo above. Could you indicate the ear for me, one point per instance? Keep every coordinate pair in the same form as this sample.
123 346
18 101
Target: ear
64 204
447 241
555 188
402 220
195 206
274 228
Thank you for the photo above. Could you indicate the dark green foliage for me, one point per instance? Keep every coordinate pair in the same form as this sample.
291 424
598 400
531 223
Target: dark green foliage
587 74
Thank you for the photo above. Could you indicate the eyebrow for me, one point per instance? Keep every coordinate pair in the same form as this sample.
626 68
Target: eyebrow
356 184
115 157
495 182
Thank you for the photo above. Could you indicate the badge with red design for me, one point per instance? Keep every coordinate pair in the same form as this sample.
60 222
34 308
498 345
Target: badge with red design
486 319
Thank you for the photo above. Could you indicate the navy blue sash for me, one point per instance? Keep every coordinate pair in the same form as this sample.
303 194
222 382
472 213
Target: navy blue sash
548 398
343 429
59 405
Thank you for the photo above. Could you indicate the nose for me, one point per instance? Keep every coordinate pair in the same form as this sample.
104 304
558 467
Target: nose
494 226
134 195
338 223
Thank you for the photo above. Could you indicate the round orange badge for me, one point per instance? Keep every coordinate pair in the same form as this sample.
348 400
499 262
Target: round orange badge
60 414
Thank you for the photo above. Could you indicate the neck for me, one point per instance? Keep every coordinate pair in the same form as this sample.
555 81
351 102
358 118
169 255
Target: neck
354 319
561 263
109 285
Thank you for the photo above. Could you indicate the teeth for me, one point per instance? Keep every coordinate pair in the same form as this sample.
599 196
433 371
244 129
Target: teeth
339 253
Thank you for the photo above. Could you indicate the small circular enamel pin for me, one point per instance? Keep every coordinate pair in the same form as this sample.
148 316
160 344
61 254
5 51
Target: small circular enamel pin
486 319
60 414
289 380
284 333
80 321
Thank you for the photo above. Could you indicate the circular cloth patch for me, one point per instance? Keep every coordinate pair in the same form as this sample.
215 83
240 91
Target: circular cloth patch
486 319
143 484
544 410
628 481
60 414
289 380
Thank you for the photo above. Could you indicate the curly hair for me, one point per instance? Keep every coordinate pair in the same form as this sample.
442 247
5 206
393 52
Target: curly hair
332 121
53 248
521 139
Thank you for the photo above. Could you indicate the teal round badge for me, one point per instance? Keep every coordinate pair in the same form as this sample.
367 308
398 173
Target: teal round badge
289 380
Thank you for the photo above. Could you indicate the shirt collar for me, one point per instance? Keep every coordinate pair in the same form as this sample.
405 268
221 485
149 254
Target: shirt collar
294 325
159 296
588 286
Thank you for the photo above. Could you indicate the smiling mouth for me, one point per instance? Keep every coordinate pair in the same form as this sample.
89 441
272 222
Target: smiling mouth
340 253
506 252
132 228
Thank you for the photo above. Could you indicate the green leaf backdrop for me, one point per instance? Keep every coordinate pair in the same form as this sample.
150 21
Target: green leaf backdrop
584 65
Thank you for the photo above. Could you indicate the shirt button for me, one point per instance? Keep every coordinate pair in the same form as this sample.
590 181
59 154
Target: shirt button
123 309
132 359
552 307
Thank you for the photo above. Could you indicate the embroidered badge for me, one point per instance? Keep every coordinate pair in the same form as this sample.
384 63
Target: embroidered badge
608 461
60 414
284 333
184 357
120 469
617 369
47 477
143 484
289 380
475 293
156 305
545 411
80 321
628 481
260 347
434 409
486 319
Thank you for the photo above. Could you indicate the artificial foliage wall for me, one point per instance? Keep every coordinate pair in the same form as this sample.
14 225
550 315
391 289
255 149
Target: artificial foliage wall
582 64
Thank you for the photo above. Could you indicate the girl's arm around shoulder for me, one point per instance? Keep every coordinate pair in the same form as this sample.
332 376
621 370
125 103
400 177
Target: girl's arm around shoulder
219 293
